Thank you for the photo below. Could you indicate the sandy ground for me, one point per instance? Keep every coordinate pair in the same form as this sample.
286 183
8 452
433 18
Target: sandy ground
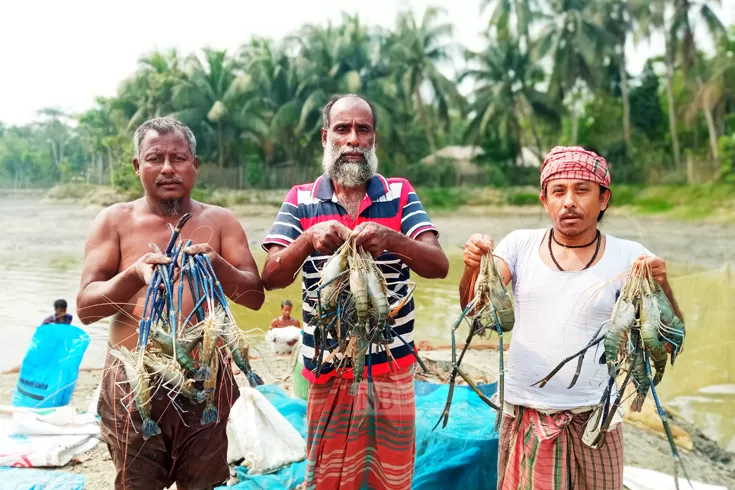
644 447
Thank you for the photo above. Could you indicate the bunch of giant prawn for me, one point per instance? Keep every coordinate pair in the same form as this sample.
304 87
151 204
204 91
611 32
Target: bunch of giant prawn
490 309
183 356
354 315
643 330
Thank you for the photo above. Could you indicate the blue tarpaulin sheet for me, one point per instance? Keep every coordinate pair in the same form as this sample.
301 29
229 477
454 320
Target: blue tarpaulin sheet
463 455
33 479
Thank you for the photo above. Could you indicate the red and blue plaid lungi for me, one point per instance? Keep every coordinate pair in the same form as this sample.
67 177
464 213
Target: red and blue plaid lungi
540 451
346 451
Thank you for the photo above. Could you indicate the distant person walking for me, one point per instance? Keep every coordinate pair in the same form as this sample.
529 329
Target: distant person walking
285 319
60 315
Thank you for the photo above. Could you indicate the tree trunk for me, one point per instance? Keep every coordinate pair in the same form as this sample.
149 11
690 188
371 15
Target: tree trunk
626 99
55 155
111 165
536 137
712 135
670 97
691 176
221 145
575 124
423 119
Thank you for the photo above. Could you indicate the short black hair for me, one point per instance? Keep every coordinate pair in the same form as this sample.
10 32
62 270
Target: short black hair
328 109
60 303
286 302
602 191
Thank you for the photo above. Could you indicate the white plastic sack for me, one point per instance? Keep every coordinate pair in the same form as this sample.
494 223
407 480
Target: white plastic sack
642 479
283 339
257 432
44 437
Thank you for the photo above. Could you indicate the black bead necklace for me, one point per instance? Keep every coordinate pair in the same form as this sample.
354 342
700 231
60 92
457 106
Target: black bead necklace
597 249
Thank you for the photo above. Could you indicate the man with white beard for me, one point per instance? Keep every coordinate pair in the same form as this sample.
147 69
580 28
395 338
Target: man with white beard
386 219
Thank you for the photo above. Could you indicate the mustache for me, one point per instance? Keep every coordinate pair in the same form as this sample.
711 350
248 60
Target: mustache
164 181
570 215
364 151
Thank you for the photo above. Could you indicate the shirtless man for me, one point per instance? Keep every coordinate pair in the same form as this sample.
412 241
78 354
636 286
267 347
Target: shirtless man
285 319
118 265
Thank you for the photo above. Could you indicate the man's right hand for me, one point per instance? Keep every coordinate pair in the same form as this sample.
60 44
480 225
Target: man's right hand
328 236
145 265
477 246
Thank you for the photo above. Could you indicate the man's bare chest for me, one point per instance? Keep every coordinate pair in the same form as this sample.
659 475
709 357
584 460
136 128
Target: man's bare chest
136 242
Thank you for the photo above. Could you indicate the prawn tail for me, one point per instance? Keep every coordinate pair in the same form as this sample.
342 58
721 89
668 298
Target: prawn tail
150 428
209 415
202 395
254 379
202 374
637 404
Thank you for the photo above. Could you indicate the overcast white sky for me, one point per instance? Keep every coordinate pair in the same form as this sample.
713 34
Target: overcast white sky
64 54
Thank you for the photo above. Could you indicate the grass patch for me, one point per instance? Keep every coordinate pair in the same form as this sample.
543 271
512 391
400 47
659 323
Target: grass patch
519 197
443 199
686 202
689 202
89 194
654 205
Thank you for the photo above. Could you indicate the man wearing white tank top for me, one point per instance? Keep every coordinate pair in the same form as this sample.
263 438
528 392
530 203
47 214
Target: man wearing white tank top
565 283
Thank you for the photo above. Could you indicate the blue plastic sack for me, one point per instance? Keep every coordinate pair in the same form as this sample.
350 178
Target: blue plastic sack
465 452
49 372
33 479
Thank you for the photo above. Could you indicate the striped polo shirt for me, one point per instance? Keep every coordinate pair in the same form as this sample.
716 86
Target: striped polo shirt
389 202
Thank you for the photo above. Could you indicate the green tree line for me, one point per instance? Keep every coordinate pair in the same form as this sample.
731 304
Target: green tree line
551 72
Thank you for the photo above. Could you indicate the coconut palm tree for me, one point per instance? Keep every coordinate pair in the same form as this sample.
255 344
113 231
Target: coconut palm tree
210 96
417 49
620 20
686 13
572 36
150 89
505 93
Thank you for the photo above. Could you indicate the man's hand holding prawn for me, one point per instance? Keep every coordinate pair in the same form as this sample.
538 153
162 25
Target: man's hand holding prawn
204 249
658 269
326 237
374 238
477 246
145 265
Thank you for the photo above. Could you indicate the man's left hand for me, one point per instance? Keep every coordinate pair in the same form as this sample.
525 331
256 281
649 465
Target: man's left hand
202 249
373 238
658 268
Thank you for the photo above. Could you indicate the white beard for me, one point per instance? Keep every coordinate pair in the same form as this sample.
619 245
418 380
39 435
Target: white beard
349 173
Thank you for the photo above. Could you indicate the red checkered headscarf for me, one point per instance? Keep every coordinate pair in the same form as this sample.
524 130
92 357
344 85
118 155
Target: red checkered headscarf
574 162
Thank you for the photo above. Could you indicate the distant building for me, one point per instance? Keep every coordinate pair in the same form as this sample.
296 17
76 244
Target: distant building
462 158
528 158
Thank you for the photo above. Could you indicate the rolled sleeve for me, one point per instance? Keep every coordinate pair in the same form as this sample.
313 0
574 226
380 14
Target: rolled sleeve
414 220
287 226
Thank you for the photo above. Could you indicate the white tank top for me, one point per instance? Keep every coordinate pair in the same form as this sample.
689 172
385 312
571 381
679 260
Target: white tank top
557 313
